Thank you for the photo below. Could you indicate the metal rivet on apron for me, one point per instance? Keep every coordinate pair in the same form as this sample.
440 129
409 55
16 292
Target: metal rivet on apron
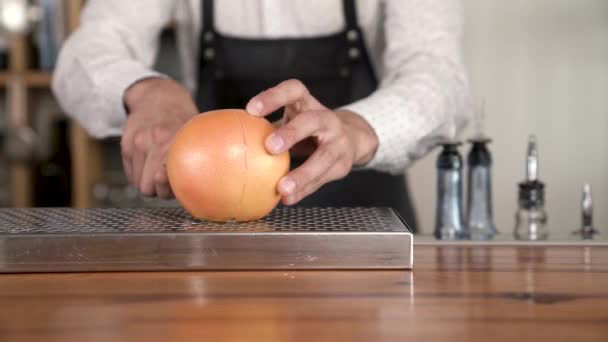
208 36
209 53
352 35
353 53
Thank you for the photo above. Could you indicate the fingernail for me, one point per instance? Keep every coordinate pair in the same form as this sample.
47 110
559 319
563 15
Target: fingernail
274 143
255 107
287 186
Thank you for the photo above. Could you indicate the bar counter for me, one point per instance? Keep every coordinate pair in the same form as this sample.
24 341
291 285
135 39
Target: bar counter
472 292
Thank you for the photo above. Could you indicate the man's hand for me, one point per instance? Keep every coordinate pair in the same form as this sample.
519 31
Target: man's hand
339 139
158 108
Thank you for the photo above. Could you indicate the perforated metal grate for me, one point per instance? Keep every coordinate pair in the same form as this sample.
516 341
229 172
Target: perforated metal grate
175 220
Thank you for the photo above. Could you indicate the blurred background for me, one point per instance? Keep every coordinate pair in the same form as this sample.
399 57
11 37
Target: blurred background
540 66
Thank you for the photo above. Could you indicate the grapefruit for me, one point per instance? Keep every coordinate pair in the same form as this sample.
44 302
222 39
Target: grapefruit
219 169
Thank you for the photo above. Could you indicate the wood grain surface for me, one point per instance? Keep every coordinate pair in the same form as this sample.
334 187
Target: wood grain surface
454 293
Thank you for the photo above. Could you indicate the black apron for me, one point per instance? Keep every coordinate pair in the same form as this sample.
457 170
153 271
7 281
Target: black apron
337 71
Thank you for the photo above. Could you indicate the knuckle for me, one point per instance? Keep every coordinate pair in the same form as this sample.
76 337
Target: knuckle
297 86
303 176
314 116
336 121
140 141
333 122
271 92
344 166
272 96
126 148
161 178
147 185
161 133
342 140
289 133
328 155
295 83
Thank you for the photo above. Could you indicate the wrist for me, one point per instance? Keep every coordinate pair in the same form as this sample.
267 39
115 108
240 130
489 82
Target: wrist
363 137
165 93
137 91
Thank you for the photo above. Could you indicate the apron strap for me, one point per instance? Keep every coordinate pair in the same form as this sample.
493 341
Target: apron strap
350 14
207 7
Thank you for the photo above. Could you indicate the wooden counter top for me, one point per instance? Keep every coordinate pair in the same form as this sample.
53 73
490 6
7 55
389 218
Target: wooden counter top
466 293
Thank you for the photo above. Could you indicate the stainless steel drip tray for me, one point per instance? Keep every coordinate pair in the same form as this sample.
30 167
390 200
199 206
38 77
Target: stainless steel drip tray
80 240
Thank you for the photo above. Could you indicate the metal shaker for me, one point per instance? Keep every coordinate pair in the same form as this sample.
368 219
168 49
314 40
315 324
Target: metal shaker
531 217
587 230
449 224
480 221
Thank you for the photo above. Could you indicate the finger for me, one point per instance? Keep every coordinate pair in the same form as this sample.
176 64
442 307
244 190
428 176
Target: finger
285 93
142 145
154 162
138 162
127 165
126 153
164 191
335 172
299 128
310 172
161 180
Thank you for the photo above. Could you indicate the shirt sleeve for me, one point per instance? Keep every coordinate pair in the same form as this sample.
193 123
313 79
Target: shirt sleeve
114 47
423 96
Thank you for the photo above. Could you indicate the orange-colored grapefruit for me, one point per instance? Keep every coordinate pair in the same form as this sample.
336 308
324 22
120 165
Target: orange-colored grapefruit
219 169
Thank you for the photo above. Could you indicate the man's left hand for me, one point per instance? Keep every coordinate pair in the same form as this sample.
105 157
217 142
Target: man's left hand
340 139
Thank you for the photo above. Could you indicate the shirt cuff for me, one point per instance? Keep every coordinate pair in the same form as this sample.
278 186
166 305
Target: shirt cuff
396 127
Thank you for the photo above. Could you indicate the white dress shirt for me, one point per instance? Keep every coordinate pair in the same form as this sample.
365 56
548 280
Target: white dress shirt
415 47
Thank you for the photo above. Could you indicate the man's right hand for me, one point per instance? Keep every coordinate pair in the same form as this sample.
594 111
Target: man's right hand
157 108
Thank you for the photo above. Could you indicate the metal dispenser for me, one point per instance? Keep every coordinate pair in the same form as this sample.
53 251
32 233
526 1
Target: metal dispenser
587 231
480 220
449 223
531 217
